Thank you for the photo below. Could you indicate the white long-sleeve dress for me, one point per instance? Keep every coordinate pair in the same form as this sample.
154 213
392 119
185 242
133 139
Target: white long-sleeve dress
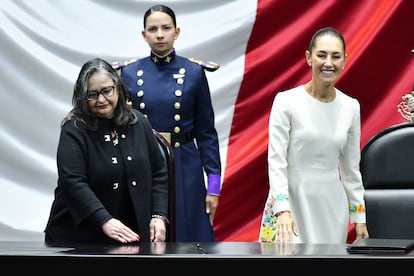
313 166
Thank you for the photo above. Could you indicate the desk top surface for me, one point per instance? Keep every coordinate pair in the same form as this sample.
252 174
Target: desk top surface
193 250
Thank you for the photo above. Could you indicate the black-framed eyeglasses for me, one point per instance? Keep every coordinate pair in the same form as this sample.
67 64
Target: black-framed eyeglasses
107 92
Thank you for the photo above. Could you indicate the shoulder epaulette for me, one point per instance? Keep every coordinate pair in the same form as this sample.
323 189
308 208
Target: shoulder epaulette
208 65
118 64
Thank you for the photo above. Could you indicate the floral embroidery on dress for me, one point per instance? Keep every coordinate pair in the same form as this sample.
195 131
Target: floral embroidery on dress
353 208
269 219
281 197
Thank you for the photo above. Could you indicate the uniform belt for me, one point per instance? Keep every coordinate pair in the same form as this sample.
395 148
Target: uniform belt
173 138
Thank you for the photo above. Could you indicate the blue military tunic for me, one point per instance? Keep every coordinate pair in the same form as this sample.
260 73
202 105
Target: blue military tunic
174 94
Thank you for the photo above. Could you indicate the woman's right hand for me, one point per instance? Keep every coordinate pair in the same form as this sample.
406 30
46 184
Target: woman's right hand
118 231
285 227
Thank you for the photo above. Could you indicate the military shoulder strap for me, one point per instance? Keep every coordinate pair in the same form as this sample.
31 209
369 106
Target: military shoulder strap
119 65
208 65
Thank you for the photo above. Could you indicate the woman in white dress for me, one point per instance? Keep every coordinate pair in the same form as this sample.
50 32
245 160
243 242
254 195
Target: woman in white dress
313 155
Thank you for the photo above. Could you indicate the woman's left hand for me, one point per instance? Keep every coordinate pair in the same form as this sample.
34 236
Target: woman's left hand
361 231
211 206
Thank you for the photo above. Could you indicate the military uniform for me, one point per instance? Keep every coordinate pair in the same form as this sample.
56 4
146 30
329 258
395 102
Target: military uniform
174 94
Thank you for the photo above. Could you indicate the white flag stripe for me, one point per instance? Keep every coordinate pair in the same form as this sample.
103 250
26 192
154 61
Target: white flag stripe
43 45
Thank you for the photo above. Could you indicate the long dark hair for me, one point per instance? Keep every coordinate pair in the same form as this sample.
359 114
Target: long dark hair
81 111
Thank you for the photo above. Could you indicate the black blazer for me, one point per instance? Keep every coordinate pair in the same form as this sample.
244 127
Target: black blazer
111 172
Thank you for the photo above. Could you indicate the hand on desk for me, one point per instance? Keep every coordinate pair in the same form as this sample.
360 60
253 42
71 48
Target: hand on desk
118 231
361 231
285 227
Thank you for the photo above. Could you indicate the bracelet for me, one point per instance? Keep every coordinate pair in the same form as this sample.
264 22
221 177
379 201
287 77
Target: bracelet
160 217
281 212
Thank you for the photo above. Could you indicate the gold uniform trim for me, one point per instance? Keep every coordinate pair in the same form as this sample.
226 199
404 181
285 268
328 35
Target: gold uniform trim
208 65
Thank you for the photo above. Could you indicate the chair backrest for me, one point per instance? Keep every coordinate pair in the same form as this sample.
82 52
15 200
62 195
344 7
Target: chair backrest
168 155
387 170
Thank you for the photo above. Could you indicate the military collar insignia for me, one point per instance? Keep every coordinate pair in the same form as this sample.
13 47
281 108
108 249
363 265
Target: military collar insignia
162 60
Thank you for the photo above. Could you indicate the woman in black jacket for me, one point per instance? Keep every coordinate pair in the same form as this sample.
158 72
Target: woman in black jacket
112 179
